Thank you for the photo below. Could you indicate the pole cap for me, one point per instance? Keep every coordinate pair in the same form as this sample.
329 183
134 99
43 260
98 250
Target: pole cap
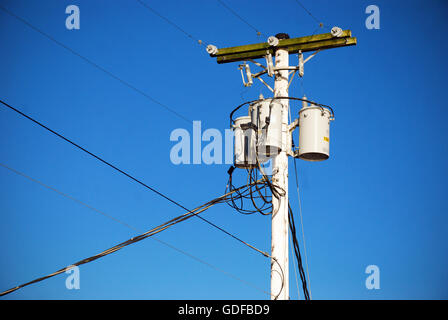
282 36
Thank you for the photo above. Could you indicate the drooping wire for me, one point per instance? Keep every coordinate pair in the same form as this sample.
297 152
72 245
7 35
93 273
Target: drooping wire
257 199
97 66
259 33
131 227
300 208
253 172
65 195
145 5
302 228
295 268
321 24
133 240
127 174
298 256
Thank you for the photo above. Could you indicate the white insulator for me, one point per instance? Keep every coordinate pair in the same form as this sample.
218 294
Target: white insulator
273 41
211 49
244 143
314 133
336 32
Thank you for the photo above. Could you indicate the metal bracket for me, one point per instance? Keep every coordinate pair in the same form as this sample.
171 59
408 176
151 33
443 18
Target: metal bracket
301 66
248 77
245 67
270 70
269 64
293 125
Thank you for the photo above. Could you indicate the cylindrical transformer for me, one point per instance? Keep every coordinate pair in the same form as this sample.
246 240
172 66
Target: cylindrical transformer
272 144
244 146
266 115
314 133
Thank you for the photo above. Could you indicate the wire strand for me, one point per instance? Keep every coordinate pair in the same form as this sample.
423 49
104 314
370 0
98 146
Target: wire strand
302 228
145 5
126 174
131 227
110 74
241 18
132 240
311 15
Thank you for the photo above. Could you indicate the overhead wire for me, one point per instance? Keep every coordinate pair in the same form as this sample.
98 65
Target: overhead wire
97 66
298 256
275 192
138 238
67 196
169 21
252 173
294 264
125 174
127 84
300 207
129 226
321 24
259 33
302 228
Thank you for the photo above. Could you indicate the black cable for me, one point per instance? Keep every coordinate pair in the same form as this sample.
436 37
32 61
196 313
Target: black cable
129 226
123 172
150 233
298 256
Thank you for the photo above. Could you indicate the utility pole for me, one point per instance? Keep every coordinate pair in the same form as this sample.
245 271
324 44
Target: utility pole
280 222
281 46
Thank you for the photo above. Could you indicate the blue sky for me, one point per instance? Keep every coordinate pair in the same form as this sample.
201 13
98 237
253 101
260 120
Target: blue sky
379 199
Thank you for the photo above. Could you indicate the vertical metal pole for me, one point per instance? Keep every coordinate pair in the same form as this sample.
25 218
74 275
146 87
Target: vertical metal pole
280 222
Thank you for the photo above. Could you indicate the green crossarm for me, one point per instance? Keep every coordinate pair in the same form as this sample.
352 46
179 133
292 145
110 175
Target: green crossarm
304 44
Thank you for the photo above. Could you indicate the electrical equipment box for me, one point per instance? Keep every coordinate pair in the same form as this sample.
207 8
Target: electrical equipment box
314 132
266 115
244 143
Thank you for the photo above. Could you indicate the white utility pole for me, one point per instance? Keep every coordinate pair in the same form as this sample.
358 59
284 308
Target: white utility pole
316 128
280 222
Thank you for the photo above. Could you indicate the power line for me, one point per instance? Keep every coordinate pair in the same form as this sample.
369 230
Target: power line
292 229
310 14
294 264
301 224
189 35
128 175
300 213
127 84
67 196
240 17
133 240
130 227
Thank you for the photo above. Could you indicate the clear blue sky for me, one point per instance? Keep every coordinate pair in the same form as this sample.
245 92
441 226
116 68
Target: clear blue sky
379 199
